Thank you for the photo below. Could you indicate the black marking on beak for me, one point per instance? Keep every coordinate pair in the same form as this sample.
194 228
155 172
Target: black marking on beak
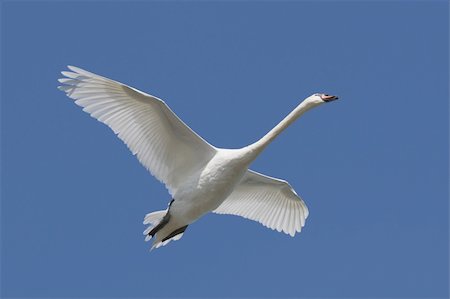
328 98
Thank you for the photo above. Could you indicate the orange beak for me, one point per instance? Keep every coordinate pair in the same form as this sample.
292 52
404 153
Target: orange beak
328 98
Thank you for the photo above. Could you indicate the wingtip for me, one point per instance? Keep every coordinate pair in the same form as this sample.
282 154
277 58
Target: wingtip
68 74
78 70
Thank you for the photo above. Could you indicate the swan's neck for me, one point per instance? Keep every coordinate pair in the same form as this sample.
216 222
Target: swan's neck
259 146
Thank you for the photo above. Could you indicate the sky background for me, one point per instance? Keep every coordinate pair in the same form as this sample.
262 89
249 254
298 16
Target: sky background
372 167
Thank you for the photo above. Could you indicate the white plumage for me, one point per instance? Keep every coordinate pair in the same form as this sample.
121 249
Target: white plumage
200 177
269 201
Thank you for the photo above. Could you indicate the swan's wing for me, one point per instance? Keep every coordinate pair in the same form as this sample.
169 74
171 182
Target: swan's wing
165 145
270 201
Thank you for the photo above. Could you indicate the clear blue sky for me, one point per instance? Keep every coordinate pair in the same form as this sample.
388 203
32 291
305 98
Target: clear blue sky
372 167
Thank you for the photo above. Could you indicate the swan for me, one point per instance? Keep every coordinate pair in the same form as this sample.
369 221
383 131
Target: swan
199 176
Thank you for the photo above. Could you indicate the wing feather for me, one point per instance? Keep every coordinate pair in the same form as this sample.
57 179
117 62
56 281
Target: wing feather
269 201
162 142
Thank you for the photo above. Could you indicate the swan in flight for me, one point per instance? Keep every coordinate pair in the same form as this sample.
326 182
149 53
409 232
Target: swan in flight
199 176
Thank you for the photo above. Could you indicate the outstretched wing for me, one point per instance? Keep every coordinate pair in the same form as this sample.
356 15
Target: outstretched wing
162 142
270 201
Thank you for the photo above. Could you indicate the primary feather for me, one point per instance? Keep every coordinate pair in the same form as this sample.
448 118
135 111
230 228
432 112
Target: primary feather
145 123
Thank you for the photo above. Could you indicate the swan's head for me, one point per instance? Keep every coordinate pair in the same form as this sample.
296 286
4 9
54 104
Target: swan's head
319 98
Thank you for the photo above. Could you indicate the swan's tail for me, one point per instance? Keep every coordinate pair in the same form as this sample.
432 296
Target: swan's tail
173 236
154 217
157 221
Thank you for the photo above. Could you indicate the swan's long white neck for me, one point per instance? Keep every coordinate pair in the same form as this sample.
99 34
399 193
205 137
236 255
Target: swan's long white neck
259 145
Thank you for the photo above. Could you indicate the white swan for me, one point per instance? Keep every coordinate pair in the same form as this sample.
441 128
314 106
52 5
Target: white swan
200 177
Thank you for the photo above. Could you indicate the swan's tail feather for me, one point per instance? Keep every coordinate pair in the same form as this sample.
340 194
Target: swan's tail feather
173 236
154 217
156 221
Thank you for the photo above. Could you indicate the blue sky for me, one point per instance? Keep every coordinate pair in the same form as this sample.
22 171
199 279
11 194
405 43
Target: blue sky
372 167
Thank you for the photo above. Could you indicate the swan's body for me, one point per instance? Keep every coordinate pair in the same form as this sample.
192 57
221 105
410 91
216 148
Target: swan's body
200 177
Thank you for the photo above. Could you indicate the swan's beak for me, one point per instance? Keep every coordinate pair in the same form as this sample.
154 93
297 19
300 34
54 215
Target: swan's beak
328 98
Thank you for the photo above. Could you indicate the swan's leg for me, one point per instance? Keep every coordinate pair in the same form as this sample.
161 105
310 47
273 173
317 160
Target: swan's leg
175 232
160 225
163 222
